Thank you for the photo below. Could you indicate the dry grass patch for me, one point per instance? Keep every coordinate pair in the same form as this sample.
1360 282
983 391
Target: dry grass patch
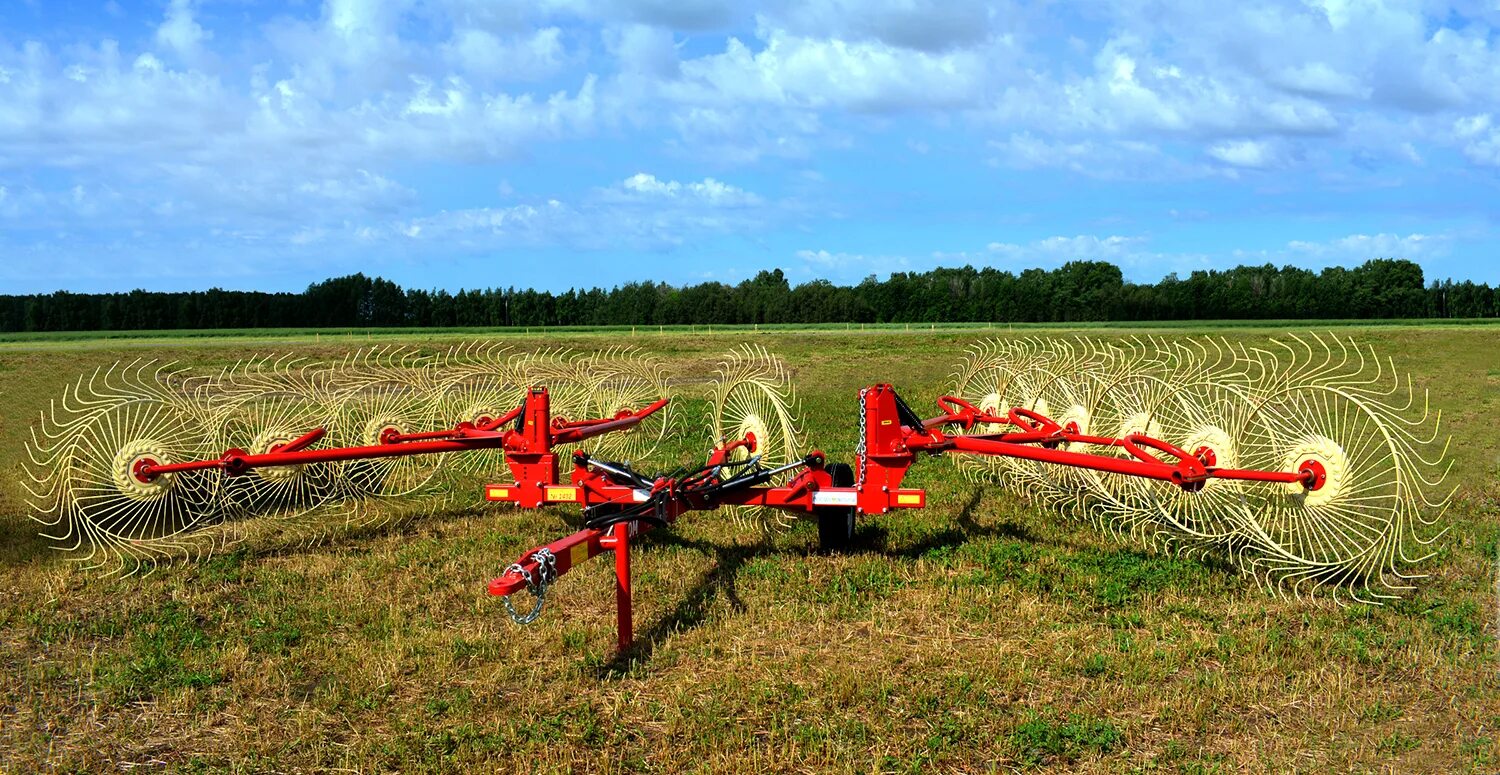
978 635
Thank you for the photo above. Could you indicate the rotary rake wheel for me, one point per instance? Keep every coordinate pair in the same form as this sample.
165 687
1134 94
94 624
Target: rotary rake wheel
1059 380
565 374
476 383
1337 409
1151 385
266 404
618 380
1333 470
753 396
984 377
85 461
1208 417
384 393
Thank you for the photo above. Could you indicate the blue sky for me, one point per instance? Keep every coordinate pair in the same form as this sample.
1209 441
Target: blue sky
182 144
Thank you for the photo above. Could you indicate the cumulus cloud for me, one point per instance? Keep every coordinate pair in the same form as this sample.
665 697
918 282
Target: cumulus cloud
831 73
708 191
483 55
1256 154
180 32
327 119
643 50
925 25
1361 247
848 267
641 212
1105 158
272 147
1254 86
1058 250
1480 139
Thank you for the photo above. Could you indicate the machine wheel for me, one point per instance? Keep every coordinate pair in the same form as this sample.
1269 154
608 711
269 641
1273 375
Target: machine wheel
836 523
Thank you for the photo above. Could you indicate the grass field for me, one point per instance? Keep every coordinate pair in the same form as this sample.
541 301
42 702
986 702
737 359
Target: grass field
980 634
219 336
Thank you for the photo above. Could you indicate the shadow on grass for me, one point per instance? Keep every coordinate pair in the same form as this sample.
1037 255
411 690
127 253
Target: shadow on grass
22 543
876 539
721 580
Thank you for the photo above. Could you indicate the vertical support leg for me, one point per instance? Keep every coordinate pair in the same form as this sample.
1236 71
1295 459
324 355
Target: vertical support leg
625 628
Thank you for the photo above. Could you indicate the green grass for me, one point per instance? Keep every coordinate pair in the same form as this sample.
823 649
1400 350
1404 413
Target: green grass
1041 740
981 634
305 335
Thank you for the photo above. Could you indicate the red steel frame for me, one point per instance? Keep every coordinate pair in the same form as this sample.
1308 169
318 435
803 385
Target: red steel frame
890 447
891 438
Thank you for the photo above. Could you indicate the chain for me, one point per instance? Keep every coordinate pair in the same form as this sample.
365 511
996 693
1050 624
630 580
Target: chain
859 449
546 573
546 565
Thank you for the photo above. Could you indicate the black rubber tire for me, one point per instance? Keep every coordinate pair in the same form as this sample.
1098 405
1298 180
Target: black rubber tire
836 523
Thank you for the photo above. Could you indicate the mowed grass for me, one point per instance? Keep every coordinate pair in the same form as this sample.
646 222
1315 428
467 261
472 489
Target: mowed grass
233 336
980 634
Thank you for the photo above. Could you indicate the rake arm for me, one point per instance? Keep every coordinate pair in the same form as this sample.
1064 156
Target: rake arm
462 437
1040 436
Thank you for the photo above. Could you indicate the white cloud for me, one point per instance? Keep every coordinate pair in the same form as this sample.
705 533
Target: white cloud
1107 158
848 267
1362 247
743 135
487 57
274 149
812 73
1058 250
708 191
1319 79
1479 138
643 50
926 25
1256 154
180 32
1258 85
685 15
641 212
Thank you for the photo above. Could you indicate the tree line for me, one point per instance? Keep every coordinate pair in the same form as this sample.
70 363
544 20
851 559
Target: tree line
1076 291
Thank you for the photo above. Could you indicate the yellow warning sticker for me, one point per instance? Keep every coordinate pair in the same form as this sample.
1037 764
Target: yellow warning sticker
562 493
908 499
579 554
496 493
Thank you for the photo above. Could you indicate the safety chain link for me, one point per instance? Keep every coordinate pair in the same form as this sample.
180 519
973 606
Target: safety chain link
546 573
859 449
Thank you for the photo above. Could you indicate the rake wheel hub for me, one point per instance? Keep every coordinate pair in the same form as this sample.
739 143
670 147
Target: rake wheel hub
378 428
270 441
1138 423
129 471
1314 475
1324 464
990 404
480 414
1074 419
750 426
1214 447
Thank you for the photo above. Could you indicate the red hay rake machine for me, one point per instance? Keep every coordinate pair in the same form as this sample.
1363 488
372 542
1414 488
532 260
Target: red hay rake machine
1306 463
